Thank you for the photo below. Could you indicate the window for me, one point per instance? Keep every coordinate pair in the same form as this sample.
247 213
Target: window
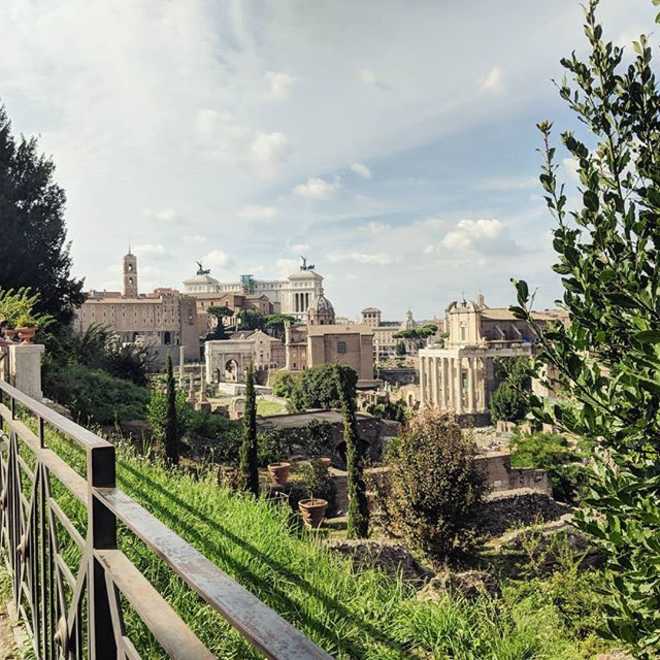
341 347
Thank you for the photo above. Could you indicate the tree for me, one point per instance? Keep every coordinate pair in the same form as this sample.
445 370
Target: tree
318 387
274 324
219 313
510 401
608 357
433 486
249 472
249 319
33 250
358 507
171 426
400 348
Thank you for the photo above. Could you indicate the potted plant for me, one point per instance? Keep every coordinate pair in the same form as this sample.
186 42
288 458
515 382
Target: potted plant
326 461
313 511
17 310
279 473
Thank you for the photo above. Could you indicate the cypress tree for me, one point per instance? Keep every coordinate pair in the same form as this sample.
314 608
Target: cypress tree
171 432
358 509
249 473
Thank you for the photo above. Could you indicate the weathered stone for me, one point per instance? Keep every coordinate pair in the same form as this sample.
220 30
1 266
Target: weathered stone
391 558
469 584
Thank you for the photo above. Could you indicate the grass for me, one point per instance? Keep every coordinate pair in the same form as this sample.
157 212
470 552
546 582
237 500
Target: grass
267 407
351 615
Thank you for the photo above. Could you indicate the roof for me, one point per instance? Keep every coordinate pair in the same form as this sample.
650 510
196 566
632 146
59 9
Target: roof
201 279
370 309
504 314
338 329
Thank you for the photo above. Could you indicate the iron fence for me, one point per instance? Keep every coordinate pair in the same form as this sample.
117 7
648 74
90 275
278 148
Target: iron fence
79 614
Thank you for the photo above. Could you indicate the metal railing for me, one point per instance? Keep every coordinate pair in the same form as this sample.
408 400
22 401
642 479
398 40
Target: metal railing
79 615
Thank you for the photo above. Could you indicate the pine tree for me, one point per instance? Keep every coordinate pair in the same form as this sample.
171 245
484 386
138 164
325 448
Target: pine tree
358 509
34 251
171 426
249 473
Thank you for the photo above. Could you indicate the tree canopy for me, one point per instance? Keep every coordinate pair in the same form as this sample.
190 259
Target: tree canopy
34 251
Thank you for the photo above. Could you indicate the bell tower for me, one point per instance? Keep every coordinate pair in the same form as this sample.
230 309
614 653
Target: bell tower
130 275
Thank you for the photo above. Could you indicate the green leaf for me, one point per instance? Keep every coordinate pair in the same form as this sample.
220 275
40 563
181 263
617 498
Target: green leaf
591 201
648 336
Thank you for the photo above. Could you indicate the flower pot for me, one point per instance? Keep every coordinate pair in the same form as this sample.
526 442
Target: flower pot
26 335
327 461
313 511
279 473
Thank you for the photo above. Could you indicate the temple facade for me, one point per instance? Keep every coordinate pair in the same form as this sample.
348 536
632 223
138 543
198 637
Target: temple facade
460 376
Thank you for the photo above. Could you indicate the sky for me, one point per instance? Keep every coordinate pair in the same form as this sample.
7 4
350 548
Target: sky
391 143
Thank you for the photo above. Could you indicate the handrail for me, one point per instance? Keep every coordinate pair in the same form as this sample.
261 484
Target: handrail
28 535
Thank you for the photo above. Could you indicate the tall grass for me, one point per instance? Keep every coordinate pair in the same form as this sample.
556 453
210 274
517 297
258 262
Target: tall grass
351 615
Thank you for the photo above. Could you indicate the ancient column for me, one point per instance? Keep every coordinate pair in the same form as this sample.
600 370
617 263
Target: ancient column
459 385
422 384
471 367
433 381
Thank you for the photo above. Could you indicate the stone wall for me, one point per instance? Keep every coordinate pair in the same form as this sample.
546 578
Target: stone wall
502 477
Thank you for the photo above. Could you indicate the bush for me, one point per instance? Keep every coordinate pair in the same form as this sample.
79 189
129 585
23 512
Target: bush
392 410
509 402
317 387
157 414
95 397
551 452
313 480
284 382
433 486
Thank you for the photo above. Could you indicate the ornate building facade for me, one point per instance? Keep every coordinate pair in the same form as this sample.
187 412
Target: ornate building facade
461 376
292 296
163 320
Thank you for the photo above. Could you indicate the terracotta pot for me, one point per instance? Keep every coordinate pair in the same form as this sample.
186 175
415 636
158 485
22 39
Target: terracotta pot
26 335
10 334
279 473
326 461
313 511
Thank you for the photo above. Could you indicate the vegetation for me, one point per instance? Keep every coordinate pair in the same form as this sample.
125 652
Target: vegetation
274 324
318 387
34 252
394 410
266 408
248 468
172 436
363 615
553 453
421 332
509 402
400 348
313 480
17 310
220 313
93 396
432 487
358 506
608 358
158 413
284 382
250 319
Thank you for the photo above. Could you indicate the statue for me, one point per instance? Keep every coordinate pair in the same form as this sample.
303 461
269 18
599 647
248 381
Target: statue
201 270
304 266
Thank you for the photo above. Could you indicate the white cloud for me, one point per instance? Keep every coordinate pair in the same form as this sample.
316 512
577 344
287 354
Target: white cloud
378 259
300 247
149 249
492 81
161 215
279 85
194 239
375 227
269 151
571 168
286 266
317 188
216 259
486 236
257 212
368 77
362 170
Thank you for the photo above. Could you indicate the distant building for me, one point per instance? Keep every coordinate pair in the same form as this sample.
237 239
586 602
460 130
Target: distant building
323 341
163 320
292 296
460 376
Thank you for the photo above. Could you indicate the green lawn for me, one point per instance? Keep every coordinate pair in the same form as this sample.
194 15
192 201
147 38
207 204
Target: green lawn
266 407
351 615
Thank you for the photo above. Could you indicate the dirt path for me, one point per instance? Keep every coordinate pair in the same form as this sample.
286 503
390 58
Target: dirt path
7 646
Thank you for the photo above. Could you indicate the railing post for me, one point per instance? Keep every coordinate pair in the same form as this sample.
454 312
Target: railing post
101 535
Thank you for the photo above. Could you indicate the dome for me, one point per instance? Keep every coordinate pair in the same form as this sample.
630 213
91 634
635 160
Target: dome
321 311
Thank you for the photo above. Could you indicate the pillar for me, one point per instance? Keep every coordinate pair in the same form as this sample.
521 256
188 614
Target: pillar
25 368
458 380
471 365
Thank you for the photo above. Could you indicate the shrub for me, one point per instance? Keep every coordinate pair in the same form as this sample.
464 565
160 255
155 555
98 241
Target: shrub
509 402
318 388
313 480
157 414
284 382
551 452
433 486
93 396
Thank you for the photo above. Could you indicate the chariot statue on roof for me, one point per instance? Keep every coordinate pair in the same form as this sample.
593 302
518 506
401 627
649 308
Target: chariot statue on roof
201 270
304 266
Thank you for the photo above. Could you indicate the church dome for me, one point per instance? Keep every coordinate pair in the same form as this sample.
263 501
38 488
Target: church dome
321 311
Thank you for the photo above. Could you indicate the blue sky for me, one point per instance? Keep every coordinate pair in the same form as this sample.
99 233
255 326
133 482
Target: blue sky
393 143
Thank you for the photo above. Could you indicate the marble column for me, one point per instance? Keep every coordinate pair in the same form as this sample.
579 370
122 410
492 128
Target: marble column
433 373
445 383
422 384
471 368
459 386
